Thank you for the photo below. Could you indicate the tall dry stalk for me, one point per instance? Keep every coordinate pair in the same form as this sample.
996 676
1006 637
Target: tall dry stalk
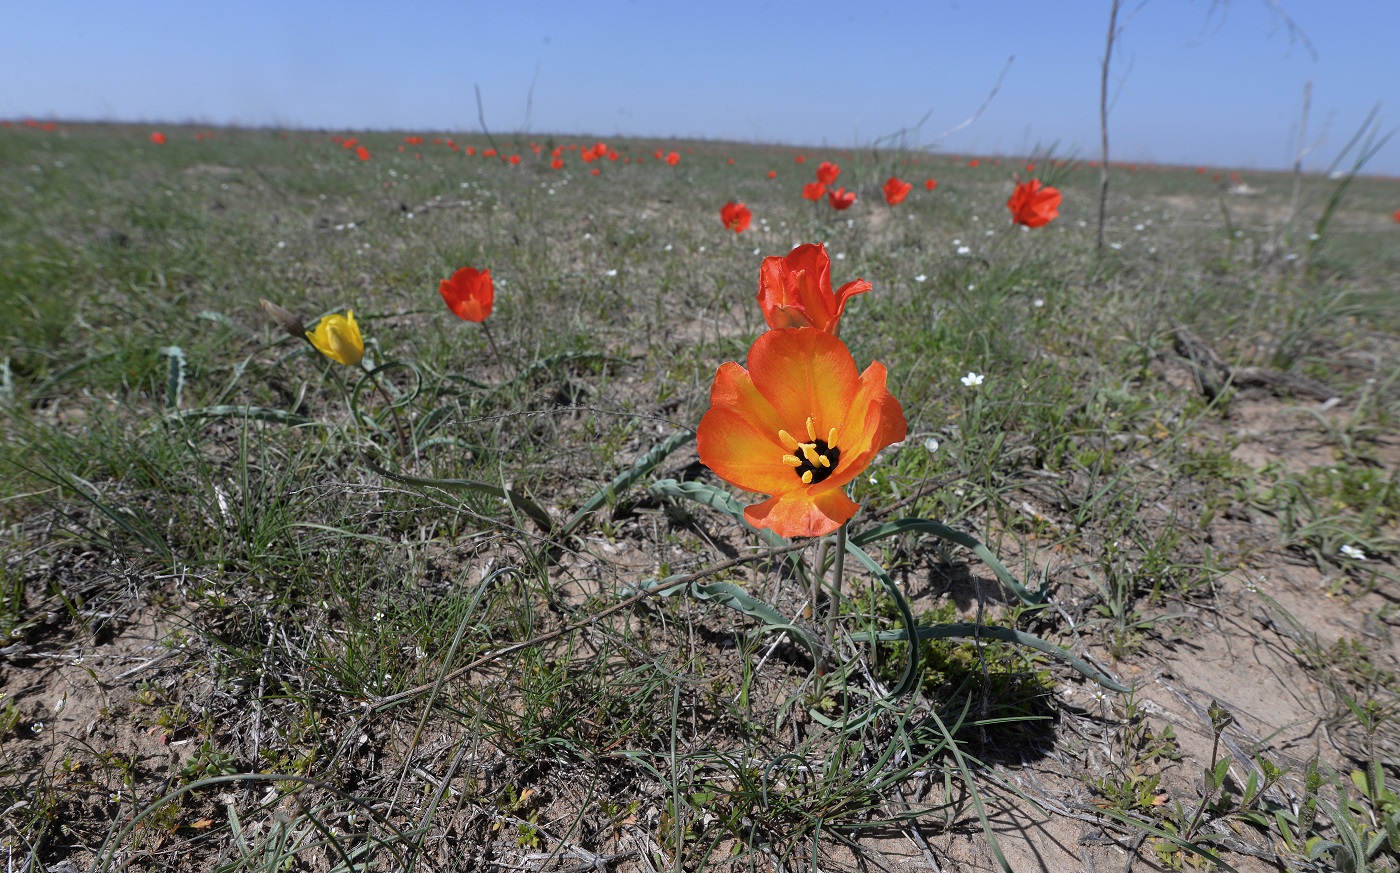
1103 118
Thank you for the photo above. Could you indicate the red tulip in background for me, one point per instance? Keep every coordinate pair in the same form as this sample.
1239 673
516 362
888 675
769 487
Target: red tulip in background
801 159
158 138
930 184
772 174
362 153
672 158
514 160
795 290
827 172
1396 216
974 163
557 164
840 198
595 171
813 191
1034 204
469 293
896 190
736 216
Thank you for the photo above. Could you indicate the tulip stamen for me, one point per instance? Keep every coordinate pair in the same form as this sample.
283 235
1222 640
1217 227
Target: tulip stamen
789 442
813 461
811 430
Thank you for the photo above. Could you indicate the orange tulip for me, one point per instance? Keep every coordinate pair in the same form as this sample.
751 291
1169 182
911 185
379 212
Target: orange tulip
840 198
798 424
795 290
469 293
814 191
736 216
672 158
557 164
827 172
157 137
1034 204
362 153
930 184
896 190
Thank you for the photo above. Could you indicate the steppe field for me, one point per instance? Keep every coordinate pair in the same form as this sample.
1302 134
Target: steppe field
474 602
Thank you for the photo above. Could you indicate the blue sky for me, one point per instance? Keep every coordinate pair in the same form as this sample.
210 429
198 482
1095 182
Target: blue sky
1196 82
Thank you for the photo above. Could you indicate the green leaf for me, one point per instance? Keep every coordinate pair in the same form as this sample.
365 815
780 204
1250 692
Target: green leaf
943 532
259 413
536 512
708 495
736 598
625 480
175 377
971 630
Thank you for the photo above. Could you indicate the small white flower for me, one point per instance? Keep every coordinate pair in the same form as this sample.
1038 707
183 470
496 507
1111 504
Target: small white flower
964 250
1139 228
612 273
379 616
840 256
874 481
931 444
114 797
972 379
588 236
702 248
281 244
409 216
957 242
37 728
919 278
972 287
758 251
850 222
667 248
1037 303
1350 551
1314 237
1115 246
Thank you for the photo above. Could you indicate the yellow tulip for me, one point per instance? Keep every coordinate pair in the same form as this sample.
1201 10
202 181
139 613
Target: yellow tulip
338 337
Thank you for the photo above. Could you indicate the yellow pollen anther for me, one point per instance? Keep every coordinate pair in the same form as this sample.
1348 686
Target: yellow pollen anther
826 462
811 430
809 451
807 478
788 442
831 439
792 460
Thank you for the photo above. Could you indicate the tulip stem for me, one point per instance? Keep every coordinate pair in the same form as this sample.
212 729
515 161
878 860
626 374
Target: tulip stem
834 607
818 574
500 361
393 411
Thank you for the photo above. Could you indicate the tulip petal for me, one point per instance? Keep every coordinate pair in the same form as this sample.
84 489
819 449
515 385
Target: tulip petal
802 513
804 373
875 420
742 454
